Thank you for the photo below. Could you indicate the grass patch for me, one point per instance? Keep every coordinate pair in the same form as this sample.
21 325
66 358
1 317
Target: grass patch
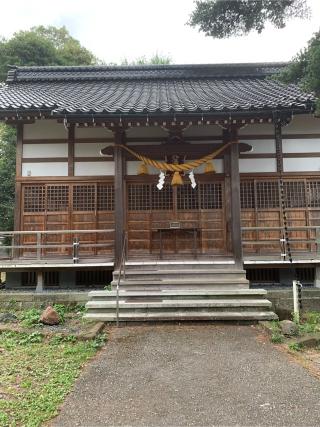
30 318
295 346
310 323
276 335
36 374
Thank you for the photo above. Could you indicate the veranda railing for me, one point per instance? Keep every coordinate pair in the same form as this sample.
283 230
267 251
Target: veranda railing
43 244
265 237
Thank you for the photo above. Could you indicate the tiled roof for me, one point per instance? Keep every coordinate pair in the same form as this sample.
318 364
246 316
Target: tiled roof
150 89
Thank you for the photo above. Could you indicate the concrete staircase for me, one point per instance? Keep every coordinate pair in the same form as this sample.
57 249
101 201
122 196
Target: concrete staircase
166 291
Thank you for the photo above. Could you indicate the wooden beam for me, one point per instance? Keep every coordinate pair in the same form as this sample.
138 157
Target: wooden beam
71 138
278 141
119 188
227 204
231 134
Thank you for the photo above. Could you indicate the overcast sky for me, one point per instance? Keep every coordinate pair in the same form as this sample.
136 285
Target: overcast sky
118 29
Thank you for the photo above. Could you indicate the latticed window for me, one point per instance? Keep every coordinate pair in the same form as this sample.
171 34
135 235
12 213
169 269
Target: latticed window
57 198
34 198
138 197
211 196
294 194
84 198
247 197
267 193
187 197
163 199
105 197
313 188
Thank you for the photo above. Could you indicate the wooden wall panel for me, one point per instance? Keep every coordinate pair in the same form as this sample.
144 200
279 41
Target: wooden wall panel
150 210
70 206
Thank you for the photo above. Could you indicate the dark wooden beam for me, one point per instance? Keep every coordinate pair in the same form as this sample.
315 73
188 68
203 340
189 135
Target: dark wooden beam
231 134
119 188
71 137
18 187
278 141
18 201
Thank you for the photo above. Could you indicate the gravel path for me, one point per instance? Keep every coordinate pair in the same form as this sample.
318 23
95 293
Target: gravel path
191 375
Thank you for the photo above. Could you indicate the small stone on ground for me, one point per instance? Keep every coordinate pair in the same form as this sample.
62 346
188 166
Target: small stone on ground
8 318
289 328
49 316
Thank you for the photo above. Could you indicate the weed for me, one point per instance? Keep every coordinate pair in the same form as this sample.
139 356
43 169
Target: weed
99 341
35 337
275 326
295 346
30 318
36 376
80 308
108 287
12 304
277 338
312 317
61 309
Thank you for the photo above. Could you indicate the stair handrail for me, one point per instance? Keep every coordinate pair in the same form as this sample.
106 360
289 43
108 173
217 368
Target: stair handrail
122 266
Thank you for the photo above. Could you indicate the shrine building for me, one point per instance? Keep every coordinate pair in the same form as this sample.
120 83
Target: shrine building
178 179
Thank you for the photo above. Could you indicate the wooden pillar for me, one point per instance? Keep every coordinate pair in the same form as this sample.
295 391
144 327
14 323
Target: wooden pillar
227 193
71 138
119 208
278 141
18 201
231 134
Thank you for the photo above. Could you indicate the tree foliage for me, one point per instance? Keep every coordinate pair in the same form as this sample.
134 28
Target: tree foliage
7 175
304 69
226 18
43 46
38 46
156 59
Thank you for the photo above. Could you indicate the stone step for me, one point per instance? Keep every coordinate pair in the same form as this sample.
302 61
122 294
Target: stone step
183 274
183 316
175 285
130 303
177 281
168 265
182 293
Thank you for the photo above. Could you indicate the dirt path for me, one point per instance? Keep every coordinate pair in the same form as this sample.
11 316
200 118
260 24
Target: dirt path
192 375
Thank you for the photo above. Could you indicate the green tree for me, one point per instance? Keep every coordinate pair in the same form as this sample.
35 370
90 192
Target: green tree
156 59
38 46
304 69
7 175
226 18
43 46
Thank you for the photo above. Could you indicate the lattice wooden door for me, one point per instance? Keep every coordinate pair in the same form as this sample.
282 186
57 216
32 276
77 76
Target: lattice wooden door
150 213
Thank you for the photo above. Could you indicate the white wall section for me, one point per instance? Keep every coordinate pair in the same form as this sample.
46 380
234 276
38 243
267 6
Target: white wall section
304 123
260 146
93 168
257 165
301 145
45 150
45 129
301 164
258 129
93 132
45 169
89 149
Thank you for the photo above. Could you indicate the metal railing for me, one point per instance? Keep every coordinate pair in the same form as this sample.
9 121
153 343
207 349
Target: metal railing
69 243
122 268
312 239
